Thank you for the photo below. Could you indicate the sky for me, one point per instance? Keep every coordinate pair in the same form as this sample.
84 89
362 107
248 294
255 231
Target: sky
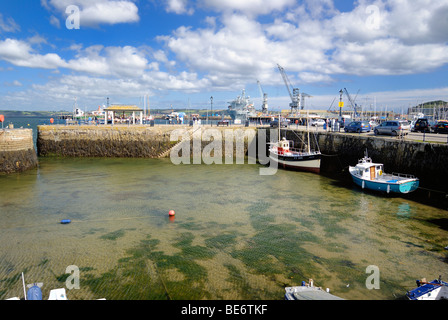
388 54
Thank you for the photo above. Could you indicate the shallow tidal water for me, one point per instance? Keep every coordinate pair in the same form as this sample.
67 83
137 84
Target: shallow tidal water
236 234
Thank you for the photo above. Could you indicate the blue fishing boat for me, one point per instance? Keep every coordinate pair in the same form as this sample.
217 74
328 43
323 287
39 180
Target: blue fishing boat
434 290
369 175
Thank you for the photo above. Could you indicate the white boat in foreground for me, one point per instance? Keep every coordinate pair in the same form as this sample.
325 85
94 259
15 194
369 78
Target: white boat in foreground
309 292
434 290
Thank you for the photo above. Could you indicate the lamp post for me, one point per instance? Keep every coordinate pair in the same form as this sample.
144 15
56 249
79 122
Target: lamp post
341 105
211 108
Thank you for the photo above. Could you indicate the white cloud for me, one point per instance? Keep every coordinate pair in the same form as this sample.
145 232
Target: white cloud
314 41
248 7
55 22
9 25
21 54
95 12
179 7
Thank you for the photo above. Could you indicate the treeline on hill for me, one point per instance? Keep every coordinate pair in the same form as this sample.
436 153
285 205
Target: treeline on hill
29 114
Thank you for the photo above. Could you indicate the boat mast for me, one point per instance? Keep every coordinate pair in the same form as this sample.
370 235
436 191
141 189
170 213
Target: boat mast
279 124
308 129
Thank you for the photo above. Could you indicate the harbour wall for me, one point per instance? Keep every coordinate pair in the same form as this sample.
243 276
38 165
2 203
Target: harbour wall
17 152
427 161
102 141
135 141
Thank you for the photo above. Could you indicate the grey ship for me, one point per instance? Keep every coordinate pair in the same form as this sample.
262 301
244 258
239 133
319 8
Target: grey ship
242 108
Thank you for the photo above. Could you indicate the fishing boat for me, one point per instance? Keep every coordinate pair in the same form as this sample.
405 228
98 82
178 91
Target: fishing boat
434 290
307 291
288 157
369 175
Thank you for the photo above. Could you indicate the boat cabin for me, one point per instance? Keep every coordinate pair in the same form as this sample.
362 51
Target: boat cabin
368 170
283 146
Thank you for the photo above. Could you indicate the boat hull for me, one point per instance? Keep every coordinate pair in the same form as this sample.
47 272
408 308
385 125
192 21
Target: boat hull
305 163
390 186
434 290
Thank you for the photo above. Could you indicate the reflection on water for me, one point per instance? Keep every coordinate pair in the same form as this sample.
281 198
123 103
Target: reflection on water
236 235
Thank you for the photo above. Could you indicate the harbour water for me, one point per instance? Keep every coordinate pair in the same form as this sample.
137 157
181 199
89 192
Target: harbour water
235 235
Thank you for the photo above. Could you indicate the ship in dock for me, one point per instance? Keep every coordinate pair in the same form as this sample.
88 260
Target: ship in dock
242 108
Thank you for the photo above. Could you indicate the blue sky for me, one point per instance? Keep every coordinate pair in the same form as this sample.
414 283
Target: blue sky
389 53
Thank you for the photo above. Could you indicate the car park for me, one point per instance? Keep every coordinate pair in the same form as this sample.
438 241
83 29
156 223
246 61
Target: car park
358 126
393 128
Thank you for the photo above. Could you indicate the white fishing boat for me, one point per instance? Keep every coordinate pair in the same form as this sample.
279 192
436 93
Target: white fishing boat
288 157
369 175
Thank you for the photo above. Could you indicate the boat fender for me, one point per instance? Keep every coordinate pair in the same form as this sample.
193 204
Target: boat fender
34 293
65 221
380 172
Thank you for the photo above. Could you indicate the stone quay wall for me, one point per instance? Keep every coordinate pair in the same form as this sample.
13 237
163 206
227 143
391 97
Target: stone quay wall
17 152
135 141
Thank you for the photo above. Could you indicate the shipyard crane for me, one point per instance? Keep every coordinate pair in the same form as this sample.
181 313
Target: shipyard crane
303 96
295 94
264 96
352 102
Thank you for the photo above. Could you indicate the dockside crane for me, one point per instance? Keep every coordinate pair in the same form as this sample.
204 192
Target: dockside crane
353 104
264 96
294 94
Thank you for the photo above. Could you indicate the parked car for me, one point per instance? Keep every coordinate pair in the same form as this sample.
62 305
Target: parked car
393 128
358 126
318 123
440 127
283 124
422 125
405 125
373 124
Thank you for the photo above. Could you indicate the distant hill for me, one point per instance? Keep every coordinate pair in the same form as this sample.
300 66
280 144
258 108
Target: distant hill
431 104
32 114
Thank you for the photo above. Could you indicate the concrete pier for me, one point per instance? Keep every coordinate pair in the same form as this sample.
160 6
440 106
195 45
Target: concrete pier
17 151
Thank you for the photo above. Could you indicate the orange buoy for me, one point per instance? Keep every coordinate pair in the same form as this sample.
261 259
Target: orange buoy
51 120
171 213
2 118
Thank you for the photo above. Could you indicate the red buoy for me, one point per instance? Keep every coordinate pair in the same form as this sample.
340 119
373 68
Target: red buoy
171 213
2 118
